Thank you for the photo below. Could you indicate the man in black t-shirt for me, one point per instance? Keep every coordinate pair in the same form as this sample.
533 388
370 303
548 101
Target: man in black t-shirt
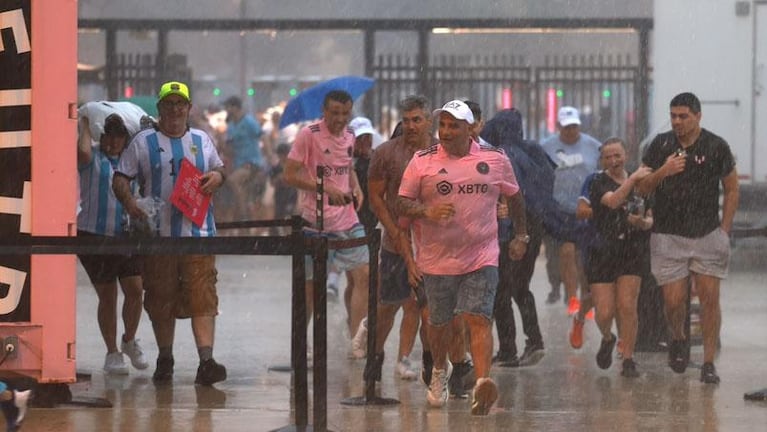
688 237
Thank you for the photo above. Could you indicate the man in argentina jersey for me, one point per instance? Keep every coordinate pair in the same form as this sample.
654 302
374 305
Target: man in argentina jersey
102 215
450 191
176 286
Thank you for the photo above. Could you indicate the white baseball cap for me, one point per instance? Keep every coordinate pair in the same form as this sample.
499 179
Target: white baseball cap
568 116
457 109
361 126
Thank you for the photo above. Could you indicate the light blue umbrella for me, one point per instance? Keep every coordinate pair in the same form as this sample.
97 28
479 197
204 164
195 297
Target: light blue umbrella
307 105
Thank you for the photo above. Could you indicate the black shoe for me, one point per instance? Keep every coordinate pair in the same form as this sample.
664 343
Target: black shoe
629 369
553 297
605 353
503 359
164 370
708 374
677 355
209 372
373 368
426 368
462 373
15 409
533 353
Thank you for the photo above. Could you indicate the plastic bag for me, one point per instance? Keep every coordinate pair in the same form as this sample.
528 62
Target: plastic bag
149 226
96 112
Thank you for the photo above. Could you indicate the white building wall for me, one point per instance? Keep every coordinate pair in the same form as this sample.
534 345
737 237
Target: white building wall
703 47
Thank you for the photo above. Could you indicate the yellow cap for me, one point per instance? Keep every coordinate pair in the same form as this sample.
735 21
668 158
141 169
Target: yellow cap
174 87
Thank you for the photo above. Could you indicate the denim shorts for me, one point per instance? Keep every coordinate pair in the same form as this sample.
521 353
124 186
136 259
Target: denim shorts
450 295
341 260
395 288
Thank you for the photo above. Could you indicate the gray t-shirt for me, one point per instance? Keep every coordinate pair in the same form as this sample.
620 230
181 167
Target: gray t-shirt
574 163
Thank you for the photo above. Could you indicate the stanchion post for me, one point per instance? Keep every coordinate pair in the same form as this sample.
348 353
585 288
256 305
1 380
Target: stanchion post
319 211
320 253
371 368
298 326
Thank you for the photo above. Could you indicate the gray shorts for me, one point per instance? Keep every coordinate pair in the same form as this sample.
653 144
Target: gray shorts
673 257
448 296
395 288
341 260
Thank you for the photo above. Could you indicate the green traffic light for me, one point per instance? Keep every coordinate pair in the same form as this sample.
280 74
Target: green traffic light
560 93
251 92
606 94
216 91
293 92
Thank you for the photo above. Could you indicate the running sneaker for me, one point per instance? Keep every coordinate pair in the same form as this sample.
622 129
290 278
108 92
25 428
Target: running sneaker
533 353
573 306
503 359
708 374
462 372
629 369
114 364
677 355
605 353
134 352
360 341
210 372
164 370
576 333
485 395
15 409
553 297
590 314
437 394
405 369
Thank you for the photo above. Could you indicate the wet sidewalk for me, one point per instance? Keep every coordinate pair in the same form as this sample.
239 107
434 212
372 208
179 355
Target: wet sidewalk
566 391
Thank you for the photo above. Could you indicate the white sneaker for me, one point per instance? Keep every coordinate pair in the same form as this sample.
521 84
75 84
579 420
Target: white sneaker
133 350
114 364
360 341
405 370
20 399
437 394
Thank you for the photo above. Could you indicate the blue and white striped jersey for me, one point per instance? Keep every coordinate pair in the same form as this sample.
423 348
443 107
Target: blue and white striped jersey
153 159
101 212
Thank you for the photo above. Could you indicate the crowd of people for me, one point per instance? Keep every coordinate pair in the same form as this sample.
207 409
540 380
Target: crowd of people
464 214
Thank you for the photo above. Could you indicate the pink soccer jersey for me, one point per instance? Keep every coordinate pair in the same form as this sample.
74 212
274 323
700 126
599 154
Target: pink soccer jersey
316 146
473 184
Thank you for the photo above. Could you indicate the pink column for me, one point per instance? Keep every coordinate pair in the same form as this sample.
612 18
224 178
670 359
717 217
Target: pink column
54 181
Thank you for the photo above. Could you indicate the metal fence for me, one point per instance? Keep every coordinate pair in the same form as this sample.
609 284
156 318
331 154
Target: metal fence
603 88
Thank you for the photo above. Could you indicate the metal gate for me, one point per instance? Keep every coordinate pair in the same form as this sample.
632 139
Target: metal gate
603 88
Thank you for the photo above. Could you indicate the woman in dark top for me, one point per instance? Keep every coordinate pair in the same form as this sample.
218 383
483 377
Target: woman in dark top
615 268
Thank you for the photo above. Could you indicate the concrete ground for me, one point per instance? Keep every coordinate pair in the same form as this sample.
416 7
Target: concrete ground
564 392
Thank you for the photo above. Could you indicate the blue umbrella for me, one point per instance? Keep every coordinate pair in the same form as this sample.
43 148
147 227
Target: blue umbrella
308 104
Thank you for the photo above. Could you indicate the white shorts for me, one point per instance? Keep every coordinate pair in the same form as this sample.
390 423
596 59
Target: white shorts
673 257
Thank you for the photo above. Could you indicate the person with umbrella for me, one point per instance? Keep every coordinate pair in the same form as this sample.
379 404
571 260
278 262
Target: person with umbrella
329 143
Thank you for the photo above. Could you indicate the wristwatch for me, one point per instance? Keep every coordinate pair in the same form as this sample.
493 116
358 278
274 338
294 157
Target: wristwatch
523 238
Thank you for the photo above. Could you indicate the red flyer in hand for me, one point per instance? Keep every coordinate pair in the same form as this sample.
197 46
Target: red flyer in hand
187 195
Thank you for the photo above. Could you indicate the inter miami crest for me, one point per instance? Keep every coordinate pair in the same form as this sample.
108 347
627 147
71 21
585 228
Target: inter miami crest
483 168
444 187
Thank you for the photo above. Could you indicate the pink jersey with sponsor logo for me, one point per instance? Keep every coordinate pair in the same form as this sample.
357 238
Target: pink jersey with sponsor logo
473 183
316 146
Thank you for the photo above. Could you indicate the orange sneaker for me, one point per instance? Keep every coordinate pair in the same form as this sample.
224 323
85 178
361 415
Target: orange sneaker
573 306
576 333
590 314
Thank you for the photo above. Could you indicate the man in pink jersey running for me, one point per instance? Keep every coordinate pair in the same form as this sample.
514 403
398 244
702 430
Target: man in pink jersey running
450 191
329 143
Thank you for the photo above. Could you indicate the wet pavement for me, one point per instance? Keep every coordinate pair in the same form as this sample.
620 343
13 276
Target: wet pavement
566 391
